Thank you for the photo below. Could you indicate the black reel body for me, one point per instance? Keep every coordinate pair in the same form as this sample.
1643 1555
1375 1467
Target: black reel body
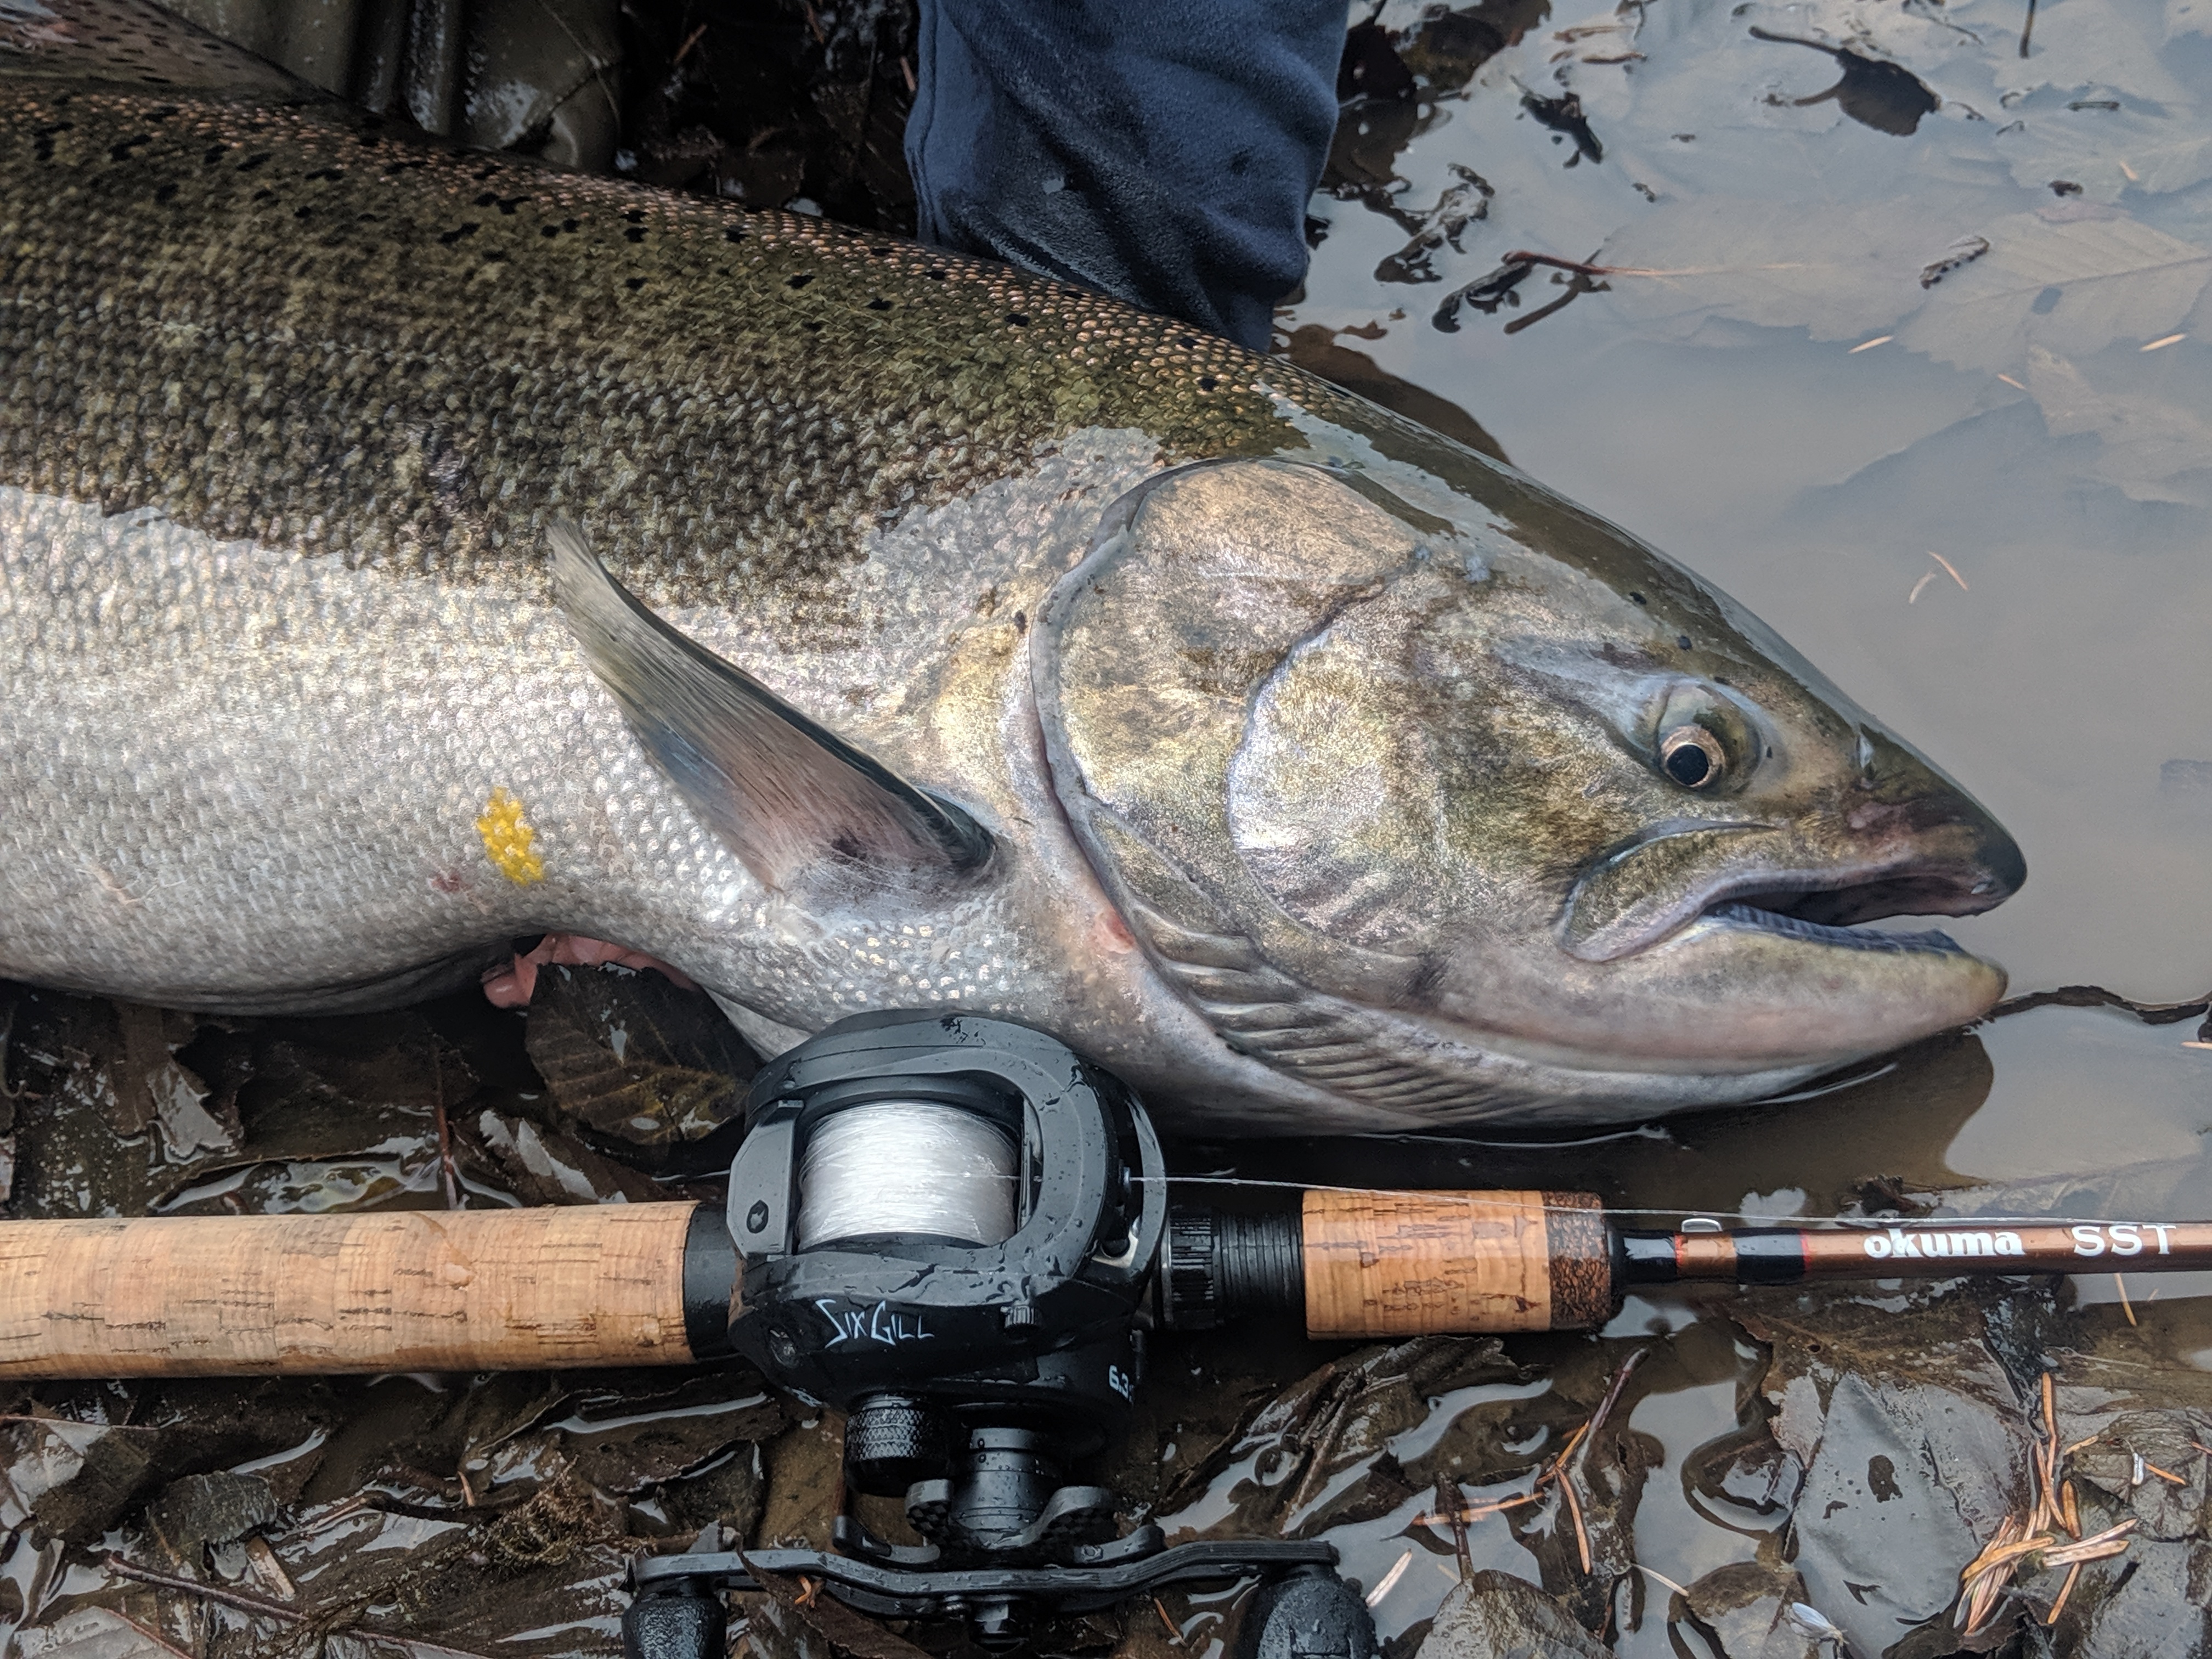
948 1227
1035 1331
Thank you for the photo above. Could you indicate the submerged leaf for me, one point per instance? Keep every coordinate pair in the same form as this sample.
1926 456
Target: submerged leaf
2145 446
2072 286
1494 1615
1748 1610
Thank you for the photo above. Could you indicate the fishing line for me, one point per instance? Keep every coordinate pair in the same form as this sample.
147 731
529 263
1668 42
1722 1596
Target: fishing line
1757 1218
916 1169
922 1168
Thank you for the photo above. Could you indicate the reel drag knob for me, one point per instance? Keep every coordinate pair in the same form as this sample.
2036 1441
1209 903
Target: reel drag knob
1312 1615
892 1441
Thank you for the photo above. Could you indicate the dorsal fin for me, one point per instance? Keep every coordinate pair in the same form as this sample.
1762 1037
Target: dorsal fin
787 796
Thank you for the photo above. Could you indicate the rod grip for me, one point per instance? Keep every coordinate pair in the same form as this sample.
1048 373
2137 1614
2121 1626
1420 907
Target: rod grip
1412 1263
394 1291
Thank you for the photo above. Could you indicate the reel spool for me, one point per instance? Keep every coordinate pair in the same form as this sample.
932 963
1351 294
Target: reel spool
907 1170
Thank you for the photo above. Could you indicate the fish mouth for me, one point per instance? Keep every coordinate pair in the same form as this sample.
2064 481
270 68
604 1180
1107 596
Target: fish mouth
1737 914
1616 913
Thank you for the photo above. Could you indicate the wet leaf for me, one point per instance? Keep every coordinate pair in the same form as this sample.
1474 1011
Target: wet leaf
1838 272
2160 1602
91 1633
1496 1616
2070 286
844 1630
636 1059
1914 1445
1584 1534
542 1166
1748 1610
216 1507
2147 447
2080 45
76 1478
1338 1418
2108 152
625 1441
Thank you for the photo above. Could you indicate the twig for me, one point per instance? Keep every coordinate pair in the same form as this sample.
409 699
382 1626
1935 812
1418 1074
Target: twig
2027 28
1612 1399
1174 1636
166 1646
244 1600
1459 1517
1465 1558
1579 267
689 41
448 1175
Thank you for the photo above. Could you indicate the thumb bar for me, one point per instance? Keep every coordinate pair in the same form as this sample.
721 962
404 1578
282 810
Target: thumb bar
394 1291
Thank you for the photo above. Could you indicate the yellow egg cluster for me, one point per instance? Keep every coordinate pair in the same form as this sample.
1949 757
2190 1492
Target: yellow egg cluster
507 839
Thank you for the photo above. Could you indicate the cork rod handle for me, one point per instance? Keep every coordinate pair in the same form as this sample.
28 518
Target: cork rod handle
1384 1264
397 1291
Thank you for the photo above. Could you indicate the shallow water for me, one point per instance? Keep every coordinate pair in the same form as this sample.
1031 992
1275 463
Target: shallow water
2011 421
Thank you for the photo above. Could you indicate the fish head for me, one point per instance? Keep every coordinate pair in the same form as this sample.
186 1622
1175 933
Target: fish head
1460 804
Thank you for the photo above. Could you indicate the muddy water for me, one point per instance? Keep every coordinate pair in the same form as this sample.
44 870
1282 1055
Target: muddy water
1923 373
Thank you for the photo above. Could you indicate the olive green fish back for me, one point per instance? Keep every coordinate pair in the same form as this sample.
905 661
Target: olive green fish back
270 317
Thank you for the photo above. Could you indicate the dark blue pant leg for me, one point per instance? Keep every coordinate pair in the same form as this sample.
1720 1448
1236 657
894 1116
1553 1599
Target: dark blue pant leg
1162 151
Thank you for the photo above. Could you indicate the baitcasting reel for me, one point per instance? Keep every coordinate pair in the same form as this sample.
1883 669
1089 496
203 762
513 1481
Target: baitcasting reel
947 1228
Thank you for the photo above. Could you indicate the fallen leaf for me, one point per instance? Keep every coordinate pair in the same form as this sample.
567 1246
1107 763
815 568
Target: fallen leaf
2072 288
2144 445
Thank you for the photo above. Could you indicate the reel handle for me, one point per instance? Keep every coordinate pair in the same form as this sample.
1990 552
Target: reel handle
392 1291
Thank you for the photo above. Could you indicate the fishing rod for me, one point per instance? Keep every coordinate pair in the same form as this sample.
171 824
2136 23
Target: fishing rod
957 1233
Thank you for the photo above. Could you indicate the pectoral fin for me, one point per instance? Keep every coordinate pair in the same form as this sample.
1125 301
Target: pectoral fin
792 801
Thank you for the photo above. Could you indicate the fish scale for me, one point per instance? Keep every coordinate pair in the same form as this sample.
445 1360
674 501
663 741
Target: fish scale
725 400
406 552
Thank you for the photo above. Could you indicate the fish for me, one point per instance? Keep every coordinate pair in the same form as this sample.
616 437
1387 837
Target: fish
410 553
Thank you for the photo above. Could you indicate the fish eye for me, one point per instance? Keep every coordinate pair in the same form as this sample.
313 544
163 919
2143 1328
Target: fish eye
1693 756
